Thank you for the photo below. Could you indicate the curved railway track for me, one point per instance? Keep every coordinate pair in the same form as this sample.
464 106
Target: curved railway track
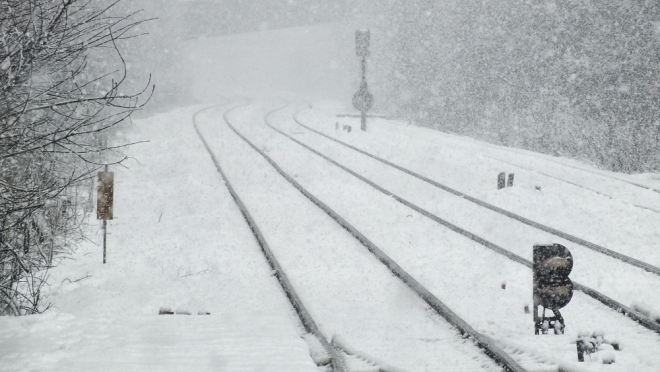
540 157
571 183
598 173
490 346
604 299
595 247
336 362
530 153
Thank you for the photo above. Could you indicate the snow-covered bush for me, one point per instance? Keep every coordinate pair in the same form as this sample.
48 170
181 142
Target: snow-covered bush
55 113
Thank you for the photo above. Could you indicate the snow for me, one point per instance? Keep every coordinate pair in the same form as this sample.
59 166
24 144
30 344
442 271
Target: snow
339 342
5 64
231 342
428 158
346 289
609 358
646 310
316 350
179 243
415 243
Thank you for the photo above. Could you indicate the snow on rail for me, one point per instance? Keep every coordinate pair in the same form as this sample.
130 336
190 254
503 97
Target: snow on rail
335 359
598 248
585 169
489 346
635 315
571 183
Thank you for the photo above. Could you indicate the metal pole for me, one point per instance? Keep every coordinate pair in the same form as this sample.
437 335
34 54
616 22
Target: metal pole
363 117
363 121
104 235
105 227
364 68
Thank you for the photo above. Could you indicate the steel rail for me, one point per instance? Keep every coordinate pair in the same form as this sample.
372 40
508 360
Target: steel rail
571 183
595 247
337 363
604 299
541 157
490 347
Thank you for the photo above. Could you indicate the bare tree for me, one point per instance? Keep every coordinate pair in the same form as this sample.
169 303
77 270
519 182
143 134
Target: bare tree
56 111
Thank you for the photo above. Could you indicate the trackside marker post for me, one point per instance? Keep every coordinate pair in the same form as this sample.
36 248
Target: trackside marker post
104 201
501 180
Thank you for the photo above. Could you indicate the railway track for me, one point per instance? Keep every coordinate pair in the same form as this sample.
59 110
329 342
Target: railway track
336 362
505 346
569 237
489 347
601 174
572 183
638 316
611 187
601 298
548 159
604 299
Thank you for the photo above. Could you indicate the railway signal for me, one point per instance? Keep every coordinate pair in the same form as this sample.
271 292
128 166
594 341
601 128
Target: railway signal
552 289
363 100
501 180
362 41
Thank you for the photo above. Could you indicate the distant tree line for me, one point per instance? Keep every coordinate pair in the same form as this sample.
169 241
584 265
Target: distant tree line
57 110
569 78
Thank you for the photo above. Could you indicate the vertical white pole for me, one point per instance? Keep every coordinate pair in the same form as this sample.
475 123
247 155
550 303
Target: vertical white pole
105 228
104 235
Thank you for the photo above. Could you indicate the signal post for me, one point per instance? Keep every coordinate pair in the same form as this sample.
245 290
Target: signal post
363 100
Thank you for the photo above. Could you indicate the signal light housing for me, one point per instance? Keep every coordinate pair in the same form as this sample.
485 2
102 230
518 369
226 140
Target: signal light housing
552 289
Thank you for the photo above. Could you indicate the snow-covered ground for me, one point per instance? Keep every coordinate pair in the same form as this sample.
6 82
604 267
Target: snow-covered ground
345 288
180 241
556 203
463 274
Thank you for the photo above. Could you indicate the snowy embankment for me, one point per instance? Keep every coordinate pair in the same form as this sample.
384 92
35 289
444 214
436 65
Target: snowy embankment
178 240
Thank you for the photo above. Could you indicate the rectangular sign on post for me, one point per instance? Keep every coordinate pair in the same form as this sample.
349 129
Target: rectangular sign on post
362 40
105 195
501 182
